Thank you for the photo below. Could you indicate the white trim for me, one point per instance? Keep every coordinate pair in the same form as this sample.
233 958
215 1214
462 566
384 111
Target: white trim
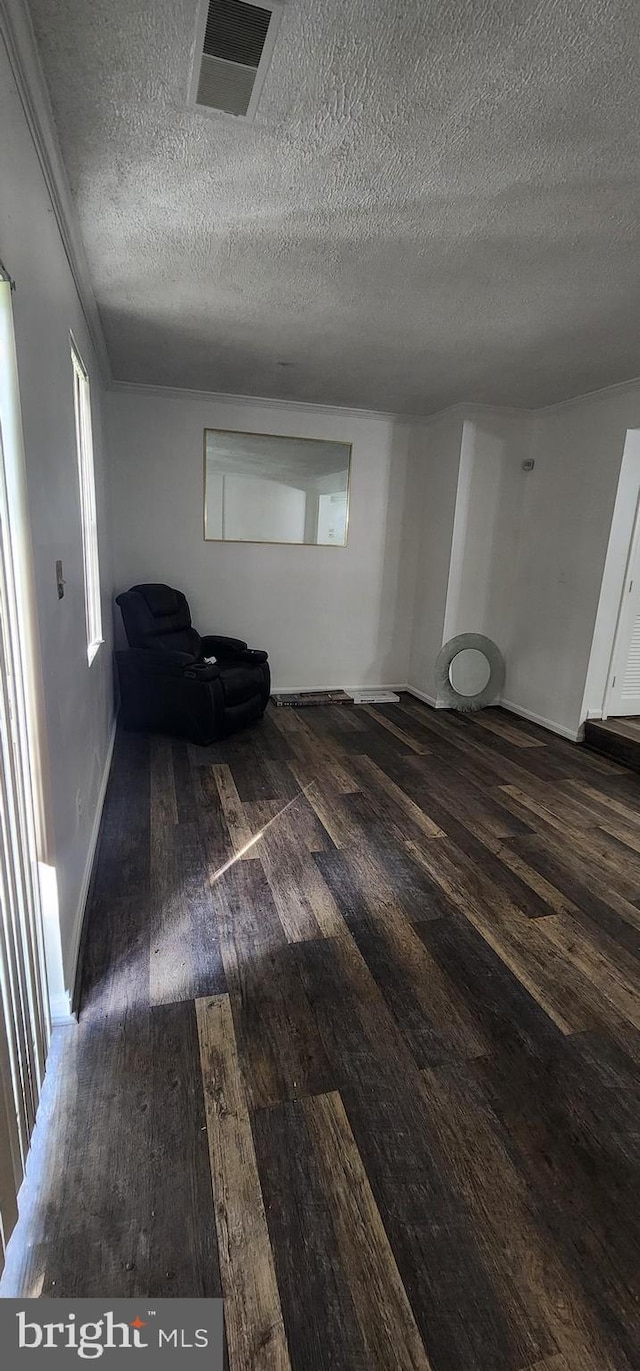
597 687
60 1007
459 531
463 408
399 689
311 690
613 702
426 699
88 871
88 510
93 649
603 392
214 397
25 1027
573 734
17 33
467 409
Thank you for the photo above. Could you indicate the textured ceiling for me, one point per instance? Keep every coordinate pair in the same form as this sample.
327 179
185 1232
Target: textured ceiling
439 199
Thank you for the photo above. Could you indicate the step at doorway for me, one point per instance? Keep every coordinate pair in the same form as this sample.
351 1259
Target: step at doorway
618 738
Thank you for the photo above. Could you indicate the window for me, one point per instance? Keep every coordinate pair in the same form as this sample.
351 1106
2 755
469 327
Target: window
84 443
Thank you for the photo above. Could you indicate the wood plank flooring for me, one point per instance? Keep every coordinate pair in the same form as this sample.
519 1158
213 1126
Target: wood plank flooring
359 1047
618 738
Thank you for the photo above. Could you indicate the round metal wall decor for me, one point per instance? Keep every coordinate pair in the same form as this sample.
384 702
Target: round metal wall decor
446 691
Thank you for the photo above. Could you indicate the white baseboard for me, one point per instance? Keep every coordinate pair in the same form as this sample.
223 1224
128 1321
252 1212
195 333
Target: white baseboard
399 689
307 689
426 699
573 734
86 881
60 1010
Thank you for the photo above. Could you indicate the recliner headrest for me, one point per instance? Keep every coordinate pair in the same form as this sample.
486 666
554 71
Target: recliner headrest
160 616
162 601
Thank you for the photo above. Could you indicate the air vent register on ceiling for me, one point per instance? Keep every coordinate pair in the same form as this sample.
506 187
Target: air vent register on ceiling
233 50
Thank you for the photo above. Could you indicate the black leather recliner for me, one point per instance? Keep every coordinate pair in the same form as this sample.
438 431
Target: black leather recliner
166 686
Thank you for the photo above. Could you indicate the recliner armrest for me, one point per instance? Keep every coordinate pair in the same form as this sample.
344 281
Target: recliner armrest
161 663
214 643
252 656
202 671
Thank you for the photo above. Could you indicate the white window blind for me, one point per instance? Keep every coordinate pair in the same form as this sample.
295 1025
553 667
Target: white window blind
24 1016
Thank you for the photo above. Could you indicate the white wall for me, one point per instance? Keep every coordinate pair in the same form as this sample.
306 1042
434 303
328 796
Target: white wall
434 456
486 525
468 488
519 556
328 616
447 535
565 528
78 698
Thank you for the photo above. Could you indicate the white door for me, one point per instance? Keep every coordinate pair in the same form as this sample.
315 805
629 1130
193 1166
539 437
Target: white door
624 681
332 519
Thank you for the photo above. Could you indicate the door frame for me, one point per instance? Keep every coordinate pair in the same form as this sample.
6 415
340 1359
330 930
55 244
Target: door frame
625 589
596 692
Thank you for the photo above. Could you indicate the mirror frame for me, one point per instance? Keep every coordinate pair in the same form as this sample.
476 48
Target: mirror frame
286 437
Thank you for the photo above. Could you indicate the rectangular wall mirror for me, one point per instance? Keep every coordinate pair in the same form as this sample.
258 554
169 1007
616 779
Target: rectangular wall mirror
260 488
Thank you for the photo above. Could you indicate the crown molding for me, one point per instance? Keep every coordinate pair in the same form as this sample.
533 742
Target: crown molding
459 410
462 409
18 37
590 396
466 409
213 397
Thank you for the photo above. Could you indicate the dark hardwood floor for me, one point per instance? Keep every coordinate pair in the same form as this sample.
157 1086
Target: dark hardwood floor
618 738
359 1047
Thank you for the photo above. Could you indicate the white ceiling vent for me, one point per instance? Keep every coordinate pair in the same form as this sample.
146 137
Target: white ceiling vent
234 44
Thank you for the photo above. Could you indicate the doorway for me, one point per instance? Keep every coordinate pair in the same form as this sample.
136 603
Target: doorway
623 689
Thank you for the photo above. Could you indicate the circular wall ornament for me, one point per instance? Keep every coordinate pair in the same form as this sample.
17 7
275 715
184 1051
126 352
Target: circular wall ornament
446 690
